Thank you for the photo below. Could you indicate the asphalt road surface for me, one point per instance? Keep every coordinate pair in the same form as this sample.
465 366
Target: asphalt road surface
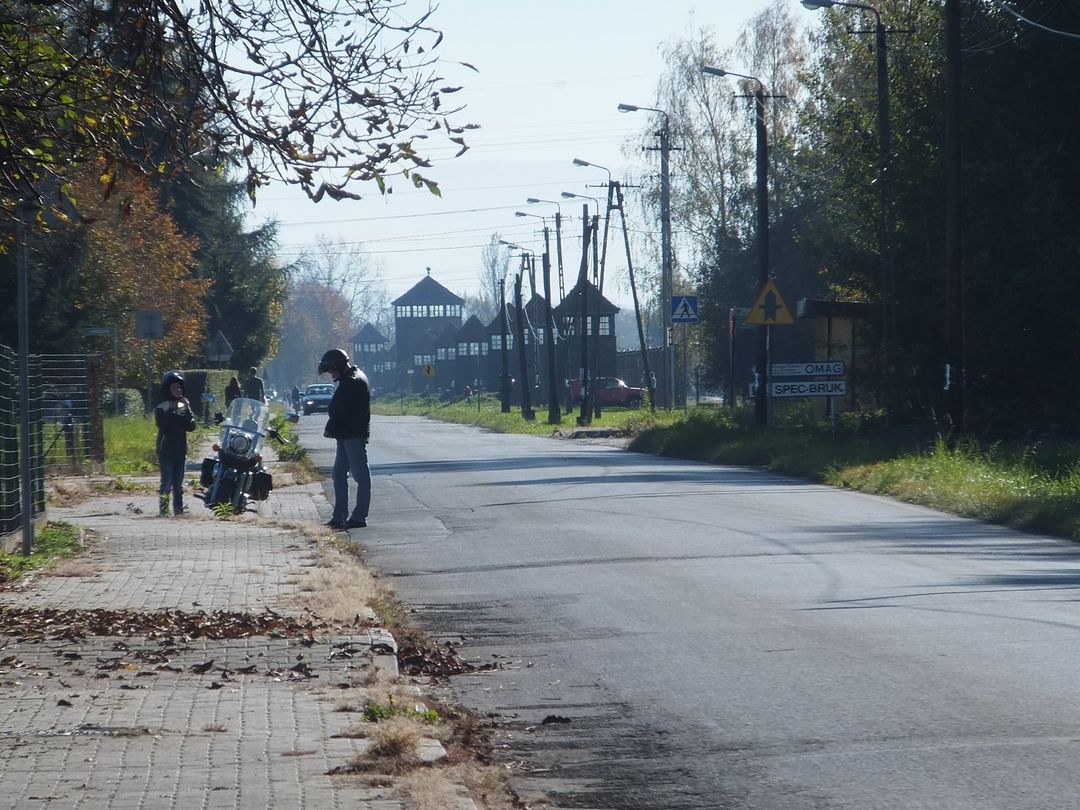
724 638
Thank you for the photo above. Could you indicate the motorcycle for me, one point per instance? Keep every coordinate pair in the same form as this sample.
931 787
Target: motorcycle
236 474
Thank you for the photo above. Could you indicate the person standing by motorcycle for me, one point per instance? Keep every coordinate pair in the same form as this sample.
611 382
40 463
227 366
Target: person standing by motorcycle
174 419
232 390
253 387
349 424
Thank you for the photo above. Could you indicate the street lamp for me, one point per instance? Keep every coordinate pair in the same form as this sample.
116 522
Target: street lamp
607 216
558 237
761 401
569 195
666 280
885 217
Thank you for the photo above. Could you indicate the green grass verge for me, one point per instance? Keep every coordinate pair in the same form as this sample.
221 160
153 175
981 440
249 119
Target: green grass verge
130 445
486 411
1033 487
52 542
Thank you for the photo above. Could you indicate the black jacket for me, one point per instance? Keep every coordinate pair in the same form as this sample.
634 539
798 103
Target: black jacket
173 426
350 407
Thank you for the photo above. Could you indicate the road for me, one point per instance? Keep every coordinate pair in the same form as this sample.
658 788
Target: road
724 638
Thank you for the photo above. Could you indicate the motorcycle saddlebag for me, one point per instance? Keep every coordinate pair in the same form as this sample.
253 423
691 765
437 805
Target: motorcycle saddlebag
206 472
261 484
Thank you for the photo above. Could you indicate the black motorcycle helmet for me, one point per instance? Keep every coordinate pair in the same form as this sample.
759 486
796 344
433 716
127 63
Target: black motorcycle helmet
334 360
167 381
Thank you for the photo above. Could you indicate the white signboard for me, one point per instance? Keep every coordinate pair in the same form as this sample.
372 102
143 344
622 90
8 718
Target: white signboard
799 388
821 368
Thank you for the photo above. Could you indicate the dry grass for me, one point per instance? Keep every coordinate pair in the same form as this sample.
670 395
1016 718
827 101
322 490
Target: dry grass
68 492
75 568
437 788
395 741
339 590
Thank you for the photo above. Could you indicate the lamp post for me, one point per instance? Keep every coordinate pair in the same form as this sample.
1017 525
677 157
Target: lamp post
666 280
504 381
558 237
607 212
885 215
761 396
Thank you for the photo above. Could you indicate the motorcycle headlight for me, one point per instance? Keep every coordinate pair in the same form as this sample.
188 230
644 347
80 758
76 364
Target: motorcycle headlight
239 443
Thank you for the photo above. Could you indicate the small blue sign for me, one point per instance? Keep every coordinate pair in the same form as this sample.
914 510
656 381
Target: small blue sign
684 309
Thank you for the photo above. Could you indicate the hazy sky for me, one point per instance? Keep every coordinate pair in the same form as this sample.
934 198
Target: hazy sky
550 77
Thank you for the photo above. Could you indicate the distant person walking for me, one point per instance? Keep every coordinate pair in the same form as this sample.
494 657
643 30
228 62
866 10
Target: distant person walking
232 390
253 387
349 424
174 419
295 397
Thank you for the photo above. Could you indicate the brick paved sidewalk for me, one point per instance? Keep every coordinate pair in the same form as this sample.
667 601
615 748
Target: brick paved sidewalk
124 721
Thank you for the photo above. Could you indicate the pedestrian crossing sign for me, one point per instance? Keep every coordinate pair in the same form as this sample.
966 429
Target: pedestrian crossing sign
684 309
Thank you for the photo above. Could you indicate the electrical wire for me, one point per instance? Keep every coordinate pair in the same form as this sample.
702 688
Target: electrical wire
1010 10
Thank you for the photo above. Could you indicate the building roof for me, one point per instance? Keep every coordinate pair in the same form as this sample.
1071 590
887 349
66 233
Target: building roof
595 303
447 337
428 291
368 334
472 331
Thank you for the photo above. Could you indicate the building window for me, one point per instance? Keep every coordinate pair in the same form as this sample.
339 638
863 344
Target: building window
605 325
496 343
451 353
440 354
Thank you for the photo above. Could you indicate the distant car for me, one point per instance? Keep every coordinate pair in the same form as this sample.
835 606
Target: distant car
610 391
317 398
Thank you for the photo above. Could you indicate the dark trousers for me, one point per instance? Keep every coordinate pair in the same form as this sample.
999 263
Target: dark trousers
172 480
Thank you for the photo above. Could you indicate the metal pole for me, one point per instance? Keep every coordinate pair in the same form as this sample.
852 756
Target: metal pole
954 297
761 398
504 387
523 355
25 441
116 370
888 281
554 414
666 258
585 416
637 308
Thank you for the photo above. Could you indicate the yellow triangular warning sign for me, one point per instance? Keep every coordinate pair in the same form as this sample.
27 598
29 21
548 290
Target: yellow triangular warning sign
769 308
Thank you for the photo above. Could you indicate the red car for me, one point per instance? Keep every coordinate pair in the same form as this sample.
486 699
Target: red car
610 391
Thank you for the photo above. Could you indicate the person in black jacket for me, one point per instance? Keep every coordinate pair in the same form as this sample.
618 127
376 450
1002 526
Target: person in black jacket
349 424
174 420
253 386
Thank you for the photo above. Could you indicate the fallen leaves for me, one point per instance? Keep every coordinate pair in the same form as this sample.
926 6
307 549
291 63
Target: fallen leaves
29 624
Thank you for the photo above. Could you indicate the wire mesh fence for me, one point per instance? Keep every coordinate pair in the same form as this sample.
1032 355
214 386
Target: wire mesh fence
65 426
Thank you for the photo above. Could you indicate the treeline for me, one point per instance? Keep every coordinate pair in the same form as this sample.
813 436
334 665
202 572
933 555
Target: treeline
180 248
1021 189
122 123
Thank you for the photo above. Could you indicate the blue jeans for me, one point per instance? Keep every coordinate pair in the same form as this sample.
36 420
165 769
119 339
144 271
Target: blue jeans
172 479
351 458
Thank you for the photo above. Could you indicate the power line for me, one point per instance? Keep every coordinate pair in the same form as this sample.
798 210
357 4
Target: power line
1010 10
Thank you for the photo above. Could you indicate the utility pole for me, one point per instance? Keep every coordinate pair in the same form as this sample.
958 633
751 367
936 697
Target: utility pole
583 285
596 315
22 213
523 355
666 261
761 396
954 294
554 413
637 307
504 385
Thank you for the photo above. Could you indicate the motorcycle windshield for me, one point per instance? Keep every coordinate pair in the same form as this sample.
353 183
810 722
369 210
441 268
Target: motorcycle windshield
249 415
244 427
